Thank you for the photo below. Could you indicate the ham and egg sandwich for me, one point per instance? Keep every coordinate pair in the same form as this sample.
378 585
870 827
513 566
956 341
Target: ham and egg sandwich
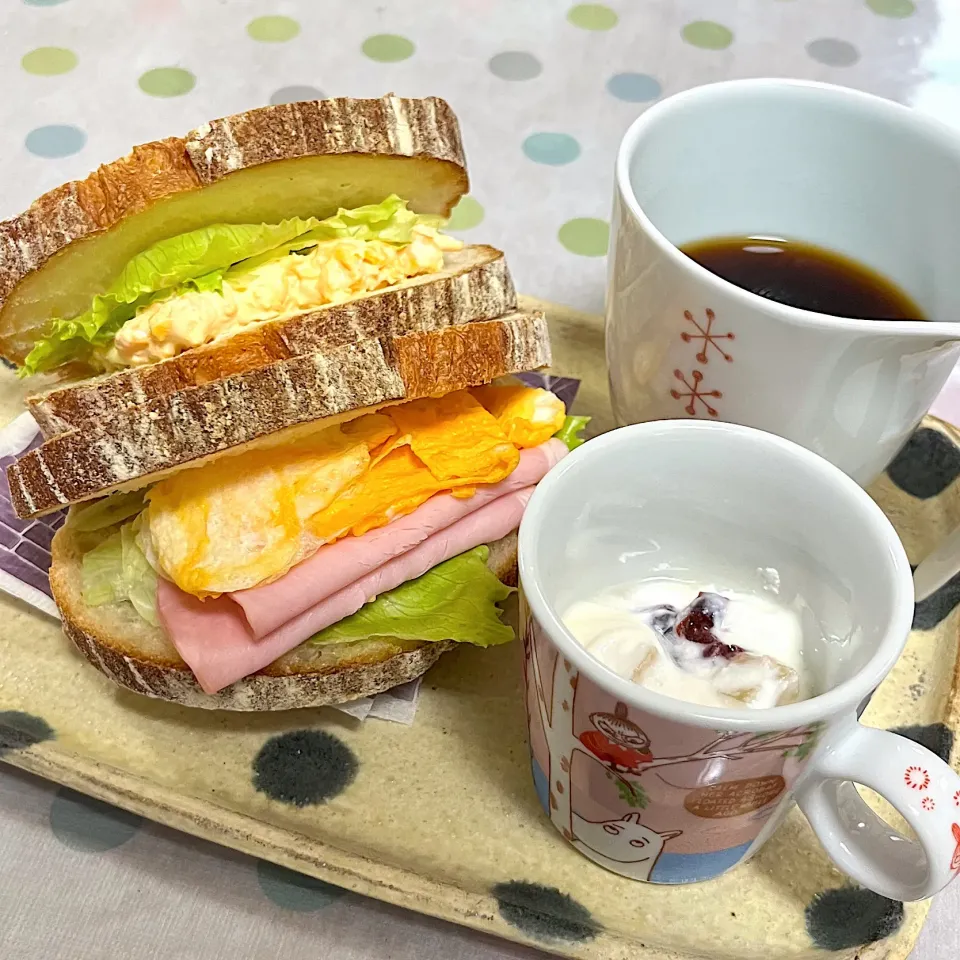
284 418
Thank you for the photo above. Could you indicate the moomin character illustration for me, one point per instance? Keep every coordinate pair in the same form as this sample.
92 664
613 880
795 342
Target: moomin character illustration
627 843
622 750
617 741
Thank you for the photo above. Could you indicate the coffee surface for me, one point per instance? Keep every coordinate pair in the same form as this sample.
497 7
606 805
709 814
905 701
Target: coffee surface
805 276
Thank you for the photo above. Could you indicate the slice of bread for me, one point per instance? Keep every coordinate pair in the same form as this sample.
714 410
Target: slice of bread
474 285
139 657
263 166
140 445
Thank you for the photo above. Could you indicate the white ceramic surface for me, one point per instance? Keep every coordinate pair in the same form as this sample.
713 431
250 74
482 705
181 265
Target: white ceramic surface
807 161
662 498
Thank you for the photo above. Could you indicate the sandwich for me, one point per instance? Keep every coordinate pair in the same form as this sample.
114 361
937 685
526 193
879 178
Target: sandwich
280 403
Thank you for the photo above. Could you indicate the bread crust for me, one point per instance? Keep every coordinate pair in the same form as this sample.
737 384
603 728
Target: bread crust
140 445
260 692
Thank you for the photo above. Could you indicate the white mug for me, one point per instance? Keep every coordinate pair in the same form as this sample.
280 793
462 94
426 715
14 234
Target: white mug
657 789
804 161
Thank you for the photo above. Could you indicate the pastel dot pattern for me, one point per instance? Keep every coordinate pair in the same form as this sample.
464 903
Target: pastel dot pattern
295 891
515 65
295 93
593 16
49 61
467 214
55 140
167 82
586 236
897 9
634 87
553 149
388 48
273 29
83 823
707 34
832 52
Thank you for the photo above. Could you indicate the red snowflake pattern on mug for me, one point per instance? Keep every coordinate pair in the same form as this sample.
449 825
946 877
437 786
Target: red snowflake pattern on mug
956 799
707 336
917 778
928 803
694 393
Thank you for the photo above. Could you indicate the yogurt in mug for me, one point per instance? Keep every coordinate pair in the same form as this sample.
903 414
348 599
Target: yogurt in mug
698 642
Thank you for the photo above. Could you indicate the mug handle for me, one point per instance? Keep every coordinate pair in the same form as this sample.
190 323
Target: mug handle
924 790
937 567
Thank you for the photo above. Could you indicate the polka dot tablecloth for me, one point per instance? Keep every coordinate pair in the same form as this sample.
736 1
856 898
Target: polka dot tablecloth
544 90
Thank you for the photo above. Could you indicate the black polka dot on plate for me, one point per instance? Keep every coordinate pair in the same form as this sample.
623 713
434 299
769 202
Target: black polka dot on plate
927 464
20 730
304 767
851 917
936 737
938 606
544 913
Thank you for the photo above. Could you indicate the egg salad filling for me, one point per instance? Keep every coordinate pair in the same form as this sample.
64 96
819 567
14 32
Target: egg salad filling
245 520
197 287
333 271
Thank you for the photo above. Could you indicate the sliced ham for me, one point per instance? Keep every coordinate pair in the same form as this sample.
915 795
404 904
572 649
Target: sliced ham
339 564
213 636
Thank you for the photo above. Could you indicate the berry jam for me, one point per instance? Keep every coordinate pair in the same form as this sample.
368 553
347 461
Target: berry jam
697 623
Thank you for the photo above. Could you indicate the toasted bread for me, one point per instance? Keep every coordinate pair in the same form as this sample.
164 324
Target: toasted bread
263 166
144 443
474 285
138 656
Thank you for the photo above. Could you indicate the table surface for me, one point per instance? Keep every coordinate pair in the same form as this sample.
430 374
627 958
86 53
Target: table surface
544 90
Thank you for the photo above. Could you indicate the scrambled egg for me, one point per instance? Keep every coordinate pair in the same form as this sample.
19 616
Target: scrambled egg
331 272
247 519
522 413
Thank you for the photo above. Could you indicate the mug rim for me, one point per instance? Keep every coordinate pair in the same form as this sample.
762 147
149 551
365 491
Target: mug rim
887 111
846 695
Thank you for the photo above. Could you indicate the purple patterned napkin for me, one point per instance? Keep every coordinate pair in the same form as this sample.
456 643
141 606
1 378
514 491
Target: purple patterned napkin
24 544
25 549
564 387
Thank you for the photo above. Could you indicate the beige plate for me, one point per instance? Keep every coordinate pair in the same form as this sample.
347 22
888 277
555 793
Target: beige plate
436 816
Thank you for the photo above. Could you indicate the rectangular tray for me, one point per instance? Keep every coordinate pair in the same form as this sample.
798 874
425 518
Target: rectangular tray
442 817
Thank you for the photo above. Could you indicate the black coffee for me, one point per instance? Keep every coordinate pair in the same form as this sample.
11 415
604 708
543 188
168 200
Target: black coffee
805 276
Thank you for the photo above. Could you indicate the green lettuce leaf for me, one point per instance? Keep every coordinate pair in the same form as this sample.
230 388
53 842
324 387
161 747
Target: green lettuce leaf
571 431
106 512
116 569
198 260
101 572
389 221
456 600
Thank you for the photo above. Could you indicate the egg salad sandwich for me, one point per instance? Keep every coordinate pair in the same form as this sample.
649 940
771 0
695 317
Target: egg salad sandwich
279 402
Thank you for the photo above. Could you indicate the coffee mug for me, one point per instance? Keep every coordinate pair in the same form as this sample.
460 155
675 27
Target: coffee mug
841 169
844 170
662 790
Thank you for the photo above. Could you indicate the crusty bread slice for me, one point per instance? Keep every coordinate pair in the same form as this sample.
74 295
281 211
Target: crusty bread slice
140 657
295 159
269 404
474 285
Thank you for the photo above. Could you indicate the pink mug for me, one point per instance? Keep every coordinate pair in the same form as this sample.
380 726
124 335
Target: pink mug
657 789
